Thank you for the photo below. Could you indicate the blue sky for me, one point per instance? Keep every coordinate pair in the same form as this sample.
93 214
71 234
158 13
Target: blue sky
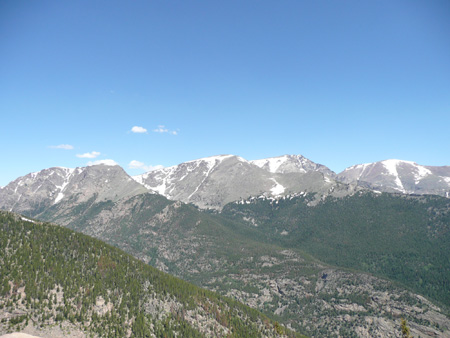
340 82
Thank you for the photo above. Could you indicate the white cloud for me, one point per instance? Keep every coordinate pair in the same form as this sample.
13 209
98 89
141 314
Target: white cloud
139 165
137 129
92 154
62 146
105 162
162 129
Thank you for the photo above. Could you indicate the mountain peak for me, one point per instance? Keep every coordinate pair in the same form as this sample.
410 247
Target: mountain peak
107 162
291 164
54 185
400 176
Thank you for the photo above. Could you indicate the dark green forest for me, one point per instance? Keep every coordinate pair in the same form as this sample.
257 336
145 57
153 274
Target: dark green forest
403 238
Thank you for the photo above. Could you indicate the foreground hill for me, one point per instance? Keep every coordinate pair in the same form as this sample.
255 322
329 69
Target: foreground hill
55 282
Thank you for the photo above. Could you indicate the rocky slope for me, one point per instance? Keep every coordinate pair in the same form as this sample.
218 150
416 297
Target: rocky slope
400 176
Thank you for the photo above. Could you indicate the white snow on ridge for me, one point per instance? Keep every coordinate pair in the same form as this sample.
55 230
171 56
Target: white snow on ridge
165 175
359 167
210 159
211 162
273 163
391 167
421 172
69 173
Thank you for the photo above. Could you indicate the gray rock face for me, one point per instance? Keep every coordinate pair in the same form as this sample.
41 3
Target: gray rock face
400 176
39 191
215 181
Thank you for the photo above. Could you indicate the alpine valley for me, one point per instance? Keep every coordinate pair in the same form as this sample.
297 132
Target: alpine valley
318 253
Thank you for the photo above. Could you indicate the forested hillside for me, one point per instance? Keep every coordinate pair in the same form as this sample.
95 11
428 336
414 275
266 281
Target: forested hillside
52 277
404 238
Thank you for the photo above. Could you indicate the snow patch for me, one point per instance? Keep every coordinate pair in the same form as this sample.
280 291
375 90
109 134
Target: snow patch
327 179
421 172
69 172
278 189
391 167
161 189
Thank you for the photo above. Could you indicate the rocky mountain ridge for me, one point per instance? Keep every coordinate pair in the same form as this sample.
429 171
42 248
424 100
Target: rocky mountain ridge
215 181
399 176
212 182
41 190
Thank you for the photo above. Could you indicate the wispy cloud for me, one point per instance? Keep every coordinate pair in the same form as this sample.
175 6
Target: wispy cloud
139 165
92 154
62 146
163 129
105 162
139 130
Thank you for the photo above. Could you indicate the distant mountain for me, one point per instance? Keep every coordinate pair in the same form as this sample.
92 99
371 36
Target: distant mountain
215 181
58 283
400 176
39 191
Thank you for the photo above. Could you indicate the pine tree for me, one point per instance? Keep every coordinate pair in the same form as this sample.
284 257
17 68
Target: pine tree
405 330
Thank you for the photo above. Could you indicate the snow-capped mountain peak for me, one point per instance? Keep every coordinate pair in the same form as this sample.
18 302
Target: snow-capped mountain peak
291 164
213 181
400 176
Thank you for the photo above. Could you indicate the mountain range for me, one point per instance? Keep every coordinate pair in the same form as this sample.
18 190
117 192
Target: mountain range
212 182
284 235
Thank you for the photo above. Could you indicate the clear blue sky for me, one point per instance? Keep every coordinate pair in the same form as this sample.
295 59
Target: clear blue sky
340 82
